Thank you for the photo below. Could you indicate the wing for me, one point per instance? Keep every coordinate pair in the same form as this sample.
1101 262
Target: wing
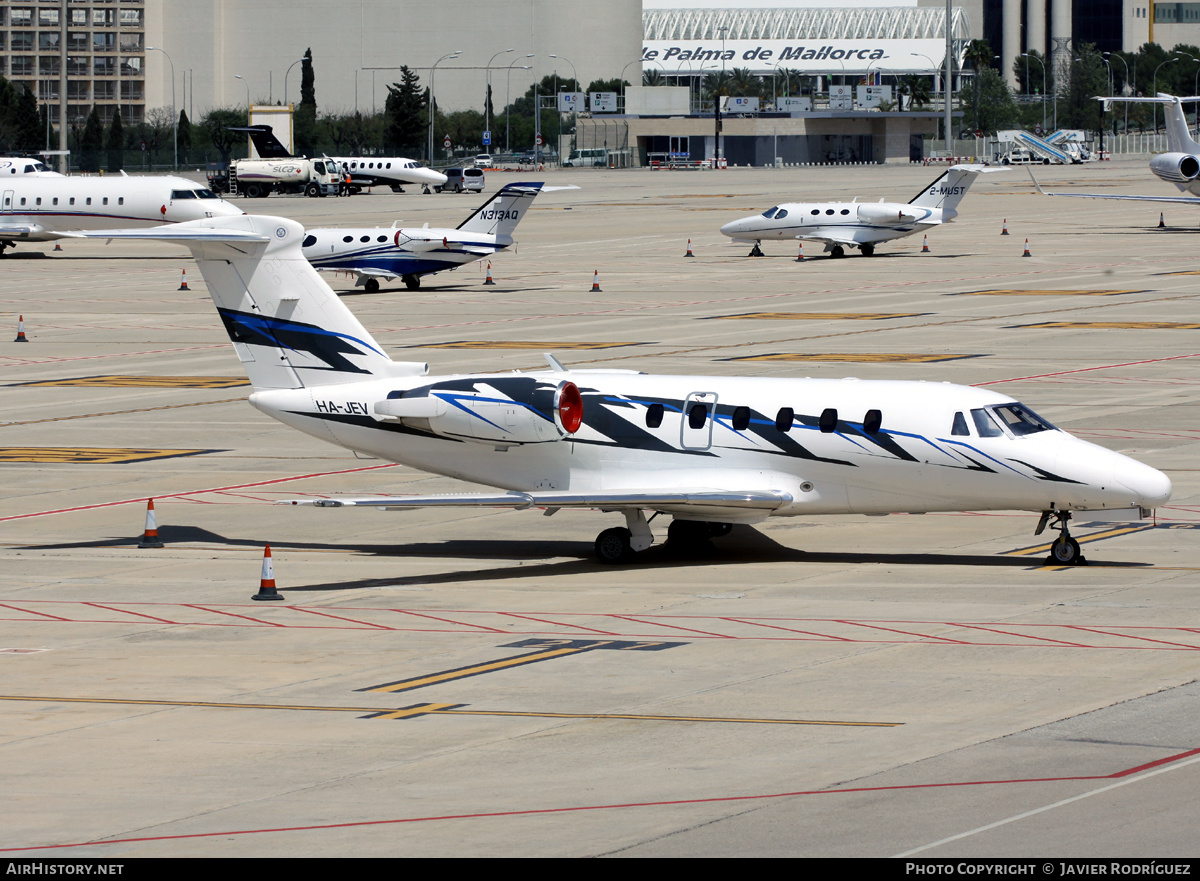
1182 200
751 505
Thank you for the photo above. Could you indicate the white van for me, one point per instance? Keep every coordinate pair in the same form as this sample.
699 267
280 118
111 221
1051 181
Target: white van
596 157
459 180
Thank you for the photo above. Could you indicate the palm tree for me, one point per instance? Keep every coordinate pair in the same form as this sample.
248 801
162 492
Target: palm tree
653 78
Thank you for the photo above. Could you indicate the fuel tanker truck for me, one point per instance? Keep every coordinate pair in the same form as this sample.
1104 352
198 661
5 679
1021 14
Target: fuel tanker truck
259 178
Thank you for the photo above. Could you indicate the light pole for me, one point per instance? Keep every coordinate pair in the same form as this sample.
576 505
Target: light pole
432 102
1154 107
285 76
574 111
487 98
1123 61
508 102
174 112
238 76
1042 62
623 69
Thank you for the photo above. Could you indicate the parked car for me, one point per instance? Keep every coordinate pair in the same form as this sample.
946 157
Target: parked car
461 179
484 160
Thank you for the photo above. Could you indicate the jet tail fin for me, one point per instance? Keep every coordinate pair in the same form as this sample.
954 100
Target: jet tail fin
499 215
286 324
948 190
265 142
1179 139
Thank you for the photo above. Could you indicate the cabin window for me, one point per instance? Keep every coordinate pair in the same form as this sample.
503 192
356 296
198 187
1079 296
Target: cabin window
828 210
309 241
741 419
784 419
654 415
872 421
815 212
845 210
347 239
829 420
39 200
959 429
365 239
72 202
697 415
22 200
381 239
121 200
984 425
55 201
389 165
1021 420
106 200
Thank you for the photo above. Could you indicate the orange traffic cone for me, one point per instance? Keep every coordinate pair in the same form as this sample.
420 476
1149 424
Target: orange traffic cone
183 284
800 256
20 330
266 585
488 280
1161 224
1004 231
57 246
925 245
150 533
596 282
689 251
1027 254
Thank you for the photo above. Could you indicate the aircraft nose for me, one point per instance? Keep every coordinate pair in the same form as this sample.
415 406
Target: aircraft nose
734 227
1150 485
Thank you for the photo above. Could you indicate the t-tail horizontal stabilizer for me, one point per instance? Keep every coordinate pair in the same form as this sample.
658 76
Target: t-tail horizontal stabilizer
287 325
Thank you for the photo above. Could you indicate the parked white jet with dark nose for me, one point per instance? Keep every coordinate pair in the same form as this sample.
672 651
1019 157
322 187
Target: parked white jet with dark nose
710 451
862 225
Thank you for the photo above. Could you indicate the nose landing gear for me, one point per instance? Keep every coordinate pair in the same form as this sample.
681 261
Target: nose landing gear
1064 550
756 251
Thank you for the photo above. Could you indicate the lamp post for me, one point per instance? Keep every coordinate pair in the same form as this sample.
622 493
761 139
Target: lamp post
508 102
1154 107
432 102
1042 62
285 76
238 76
1123 61
575 110
487 102
174 112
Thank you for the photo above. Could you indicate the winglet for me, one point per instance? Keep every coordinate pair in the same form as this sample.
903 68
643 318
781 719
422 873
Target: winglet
1035 182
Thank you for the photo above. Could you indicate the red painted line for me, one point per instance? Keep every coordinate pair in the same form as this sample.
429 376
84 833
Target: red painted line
127 612
215 489
1077 645
1086 369
941 639
478 627
233 615
672 626
528 812
560 624
1131 636
340 618
791 630
32 612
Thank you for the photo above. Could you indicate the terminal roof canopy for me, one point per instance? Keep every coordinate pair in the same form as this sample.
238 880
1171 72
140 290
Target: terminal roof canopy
891 40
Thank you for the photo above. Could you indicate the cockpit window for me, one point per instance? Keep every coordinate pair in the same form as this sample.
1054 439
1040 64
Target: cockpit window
959 429
205 194
984 426
309 241
770 213
780 214
182 194
1020 420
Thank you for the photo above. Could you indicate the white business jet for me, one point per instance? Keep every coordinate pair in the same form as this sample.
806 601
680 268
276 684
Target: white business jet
411 252
710 451
1180 165
862 225
365 171
42 207
25 167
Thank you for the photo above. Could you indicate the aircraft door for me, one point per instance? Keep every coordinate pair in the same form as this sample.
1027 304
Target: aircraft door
697 421
8 200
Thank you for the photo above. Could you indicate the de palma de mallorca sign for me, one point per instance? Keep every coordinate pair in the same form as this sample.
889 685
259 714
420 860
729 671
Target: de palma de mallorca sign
812 57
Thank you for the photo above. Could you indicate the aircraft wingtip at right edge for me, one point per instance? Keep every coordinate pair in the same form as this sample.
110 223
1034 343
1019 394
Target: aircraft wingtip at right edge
1036 184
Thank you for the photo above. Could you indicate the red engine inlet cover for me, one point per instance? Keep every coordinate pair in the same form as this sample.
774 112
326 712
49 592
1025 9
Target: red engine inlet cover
569 404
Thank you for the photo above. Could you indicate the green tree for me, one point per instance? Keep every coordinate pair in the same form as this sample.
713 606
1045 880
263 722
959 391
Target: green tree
1089 79
305 122
991 106
215 125
92 142
979 56
404 111
116 143
185 137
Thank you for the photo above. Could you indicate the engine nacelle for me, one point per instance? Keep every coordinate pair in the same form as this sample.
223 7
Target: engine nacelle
485 414
1178 168
885 213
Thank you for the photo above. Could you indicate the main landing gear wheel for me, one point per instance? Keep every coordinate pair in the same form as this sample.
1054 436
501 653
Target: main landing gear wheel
613 546
867 250
371 285
412 282
756 251
837 251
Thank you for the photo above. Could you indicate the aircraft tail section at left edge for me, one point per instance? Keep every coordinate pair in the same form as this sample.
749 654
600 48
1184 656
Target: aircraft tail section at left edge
286 324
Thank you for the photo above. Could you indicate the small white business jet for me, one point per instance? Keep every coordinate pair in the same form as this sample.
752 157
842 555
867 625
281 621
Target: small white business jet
862 225
365 171
1180 165
42 207
411 252
710 451
25 167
